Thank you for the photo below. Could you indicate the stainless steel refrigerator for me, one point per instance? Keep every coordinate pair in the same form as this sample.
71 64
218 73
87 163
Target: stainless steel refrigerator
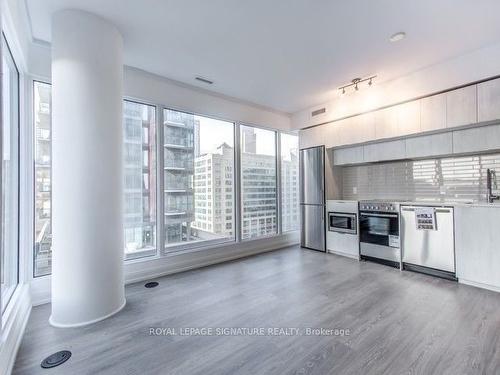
312 198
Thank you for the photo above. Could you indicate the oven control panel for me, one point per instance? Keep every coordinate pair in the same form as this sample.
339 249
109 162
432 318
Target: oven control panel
379 206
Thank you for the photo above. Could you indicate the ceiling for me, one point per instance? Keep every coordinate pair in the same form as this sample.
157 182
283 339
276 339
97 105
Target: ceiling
286 54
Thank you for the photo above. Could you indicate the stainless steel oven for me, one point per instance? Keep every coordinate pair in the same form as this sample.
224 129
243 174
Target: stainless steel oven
343 222
379 232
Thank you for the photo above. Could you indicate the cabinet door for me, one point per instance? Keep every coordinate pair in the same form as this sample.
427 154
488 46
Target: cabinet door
386 123
346 133
461 107
312 137
433 113
393 150
429 145
476 245
482 138
488 100
408 118
365 125
330 133
349 155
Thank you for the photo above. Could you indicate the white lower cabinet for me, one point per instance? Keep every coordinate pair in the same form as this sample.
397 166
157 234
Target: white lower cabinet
477 240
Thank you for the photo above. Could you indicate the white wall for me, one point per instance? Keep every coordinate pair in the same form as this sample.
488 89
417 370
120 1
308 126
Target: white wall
477 65
146 86
141 85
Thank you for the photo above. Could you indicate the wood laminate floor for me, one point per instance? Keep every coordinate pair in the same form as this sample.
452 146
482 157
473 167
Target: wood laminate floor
398 322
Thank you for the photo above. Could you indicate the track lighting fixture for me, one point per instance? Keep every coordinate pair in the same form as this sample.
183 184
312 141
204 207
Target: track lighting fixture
355 83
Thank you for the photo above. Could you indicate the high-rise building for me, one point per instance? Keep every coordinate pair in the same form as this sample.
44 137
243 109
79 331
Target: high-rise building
214 193
248 140
258 189
179 149
139 178
290 214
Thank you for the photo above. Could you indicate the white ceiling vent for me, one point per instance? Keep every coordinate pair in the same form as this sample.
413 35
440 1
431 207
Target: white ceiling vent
318 112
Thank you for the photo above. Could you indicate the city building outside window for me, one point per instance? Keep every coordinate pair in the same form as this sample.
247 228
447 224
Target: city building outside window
139 174
42 260
198 174
9 236
290 214
258 182
198 158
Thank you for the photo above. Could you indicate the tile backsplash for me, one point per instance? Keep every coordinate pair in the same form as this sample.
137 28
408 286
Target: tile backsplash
457 179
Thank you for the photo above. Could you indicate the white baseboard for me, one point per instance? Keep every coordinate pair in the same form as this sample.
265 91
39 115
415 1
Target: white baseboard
168 265
152 268
13 325
480 285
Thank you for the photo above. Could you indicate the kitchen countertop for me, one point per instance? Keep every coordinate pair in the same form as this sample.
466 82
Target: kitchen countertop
450 204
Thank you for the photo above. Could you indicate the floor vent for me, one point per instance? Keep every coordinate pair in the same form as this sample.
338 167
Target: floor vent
151 284
56 359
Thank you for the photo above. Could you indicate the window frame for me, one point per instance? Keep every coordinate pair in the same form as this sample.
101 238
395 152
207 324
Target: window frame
154 250
203 245
9 51
33 82
237 192
277 184
296 134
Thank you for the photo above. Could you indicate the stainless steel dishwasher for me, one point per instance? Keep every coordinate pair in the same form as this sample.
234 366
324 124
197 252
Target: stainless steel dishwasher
428 248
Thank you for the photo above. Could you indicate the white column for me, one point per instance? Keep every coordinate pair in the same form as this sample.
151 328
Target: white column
87 92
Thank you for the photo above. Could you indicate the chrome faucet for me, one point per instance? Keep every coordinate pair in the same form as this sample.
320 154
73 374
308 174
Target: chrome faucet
491 183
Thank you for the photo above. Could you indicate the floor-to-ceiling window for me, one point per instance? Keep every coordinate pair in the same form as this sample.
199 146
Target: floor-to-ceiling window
10 177
139 153
290 216
197 171
258 182
42 261
198 167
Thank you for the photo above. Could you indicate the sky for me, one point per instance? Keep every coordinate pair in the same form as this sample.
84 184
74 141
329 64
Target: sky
215 132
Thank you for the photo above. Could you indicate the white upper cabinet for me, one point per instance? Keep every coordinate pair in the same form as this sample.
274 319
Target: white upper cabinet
386 123
330 133
488 99
408 118
433 113
477 139
461 107
365 124
390 150
429 145
349 155
345 132
357 129
311 137
397 121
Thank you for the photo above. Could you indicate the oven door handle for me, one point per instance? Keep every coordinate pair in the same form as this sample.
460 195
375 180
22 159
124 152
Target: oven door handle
380 215
350 216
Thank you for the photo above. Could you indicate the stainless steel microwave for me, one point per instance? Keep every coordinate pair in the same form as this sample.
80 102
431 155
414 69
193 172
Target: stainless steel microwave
343 222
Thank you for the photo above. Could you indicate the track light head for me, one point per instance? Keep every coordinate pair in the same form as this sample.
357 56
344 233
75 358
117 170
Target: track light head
355 83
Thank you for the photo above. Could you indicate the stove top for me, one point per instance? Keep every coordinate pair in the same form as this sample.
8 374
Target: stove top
379 205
